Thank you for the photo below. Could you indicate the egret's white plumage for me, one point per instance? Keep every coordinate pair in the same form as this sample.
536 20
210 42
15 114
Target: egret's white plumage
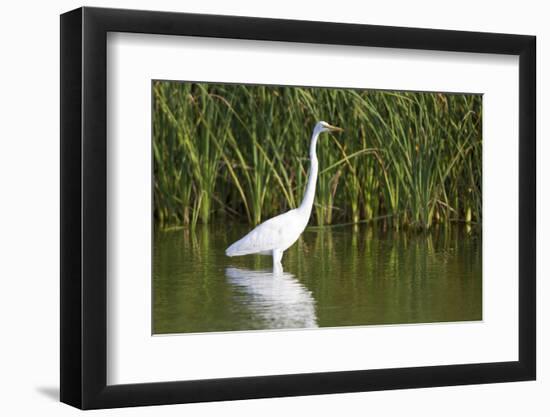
277 234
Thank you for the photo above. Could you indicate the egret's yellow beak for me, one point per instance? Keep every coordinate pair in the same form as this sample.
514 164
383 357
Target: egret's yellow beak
335 128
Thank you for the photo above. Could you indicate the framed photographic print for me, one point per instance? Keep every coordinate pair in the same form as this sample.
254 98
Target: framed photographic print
257 208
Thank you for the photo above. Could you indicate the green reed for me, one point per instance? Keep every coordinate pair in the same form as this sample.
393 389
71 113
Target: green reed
240 153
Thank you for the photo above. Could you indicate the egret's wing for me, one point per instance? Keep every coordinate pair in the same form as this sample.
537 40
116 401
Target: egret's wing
264 238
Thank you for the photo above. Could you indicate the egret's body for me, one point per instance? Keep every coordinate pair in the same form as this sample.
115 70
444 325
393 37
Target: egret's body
277 234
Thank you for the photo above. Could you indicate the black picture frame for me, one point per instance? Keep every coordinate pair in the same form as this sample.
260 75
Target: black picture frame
84 207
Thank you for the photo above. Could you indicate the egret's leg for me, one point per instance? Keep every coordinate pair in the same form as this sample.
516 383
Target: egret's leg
277 256
277 269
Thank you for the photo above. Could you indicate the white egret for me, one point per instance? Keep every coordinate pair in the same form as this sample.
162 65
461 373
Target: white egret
277 234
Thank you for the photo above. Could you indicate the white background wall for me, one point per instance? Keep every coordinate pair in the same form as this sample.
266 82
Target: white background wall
29 207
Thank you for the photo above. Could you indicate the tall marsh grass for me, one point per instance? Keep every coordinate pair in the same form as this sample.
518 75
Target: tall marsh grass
240 153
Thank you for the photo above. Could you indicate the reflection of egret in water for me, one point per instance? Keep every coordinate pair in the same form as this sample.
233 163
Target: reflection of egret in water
277 298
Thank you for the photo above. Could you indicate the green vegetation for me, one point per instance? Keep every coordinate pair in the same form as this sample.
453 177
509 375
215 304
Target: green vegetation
240 153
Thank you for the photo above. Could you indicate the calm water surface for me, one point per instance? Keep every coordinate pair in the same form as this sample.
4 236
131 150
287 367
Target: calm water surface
342 276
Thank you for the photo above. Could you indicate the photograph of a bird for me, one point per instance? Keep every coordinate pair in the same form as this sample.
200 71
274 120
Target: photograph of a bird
277 234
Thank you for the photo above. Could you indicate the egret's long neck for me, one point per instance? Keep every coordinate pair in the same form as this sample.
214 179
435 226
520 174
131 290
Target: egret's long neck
309 196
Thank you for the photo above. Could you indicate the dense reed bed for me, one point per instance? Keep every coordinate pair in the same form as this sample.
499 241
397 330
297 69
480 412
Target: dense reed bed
240 153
